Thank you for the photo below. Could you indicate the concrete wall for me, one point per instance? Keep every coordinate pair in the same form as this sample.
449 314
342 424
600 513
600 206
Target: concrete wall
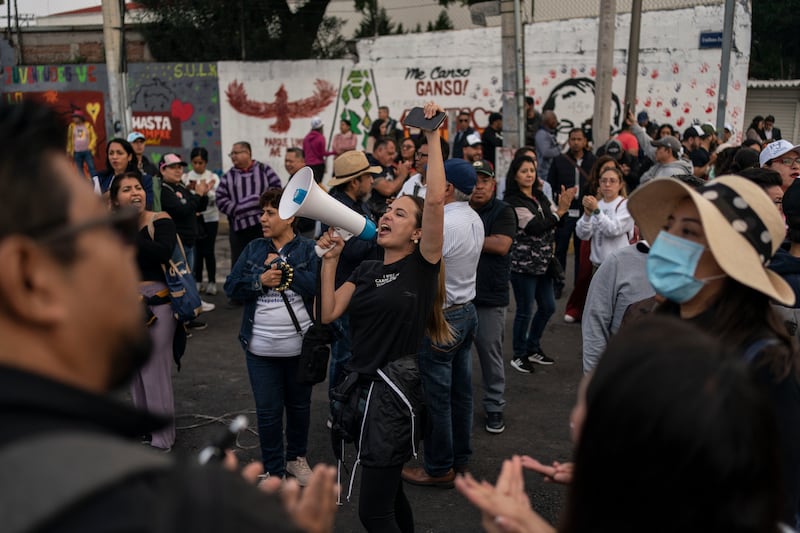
67 88
677 81
270 104
176 106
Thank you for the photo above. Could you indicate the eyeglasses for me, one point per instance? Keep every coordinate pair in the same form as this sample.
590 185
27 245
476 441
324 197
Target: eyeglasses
789 161
124 222
420 155
237 152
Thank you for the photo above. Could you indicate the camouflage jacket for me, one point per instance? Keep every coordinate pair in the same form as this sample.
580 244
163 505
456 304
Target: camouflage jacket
534 243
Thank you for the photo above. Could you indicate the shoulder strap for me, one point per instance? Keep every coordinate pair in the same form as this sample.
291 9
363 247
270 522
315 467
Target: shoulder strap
151 229
291 313
36 467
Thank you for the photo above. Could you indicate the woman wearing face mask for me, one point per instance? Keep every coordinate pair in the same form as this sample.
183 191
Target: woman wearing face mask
710 248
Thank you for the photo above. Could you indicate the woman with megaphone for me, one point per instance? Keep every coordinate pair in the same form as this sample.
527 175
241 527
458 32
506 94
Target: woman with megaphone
392 304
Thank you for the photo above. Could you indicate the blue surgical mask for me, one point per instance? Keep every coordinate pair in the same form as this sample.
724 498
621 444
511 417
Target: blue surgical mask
671 264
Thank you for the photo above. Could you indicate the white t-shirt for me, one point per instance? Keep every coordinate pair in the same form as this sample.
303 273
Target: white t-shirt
211 214
274 333
412 183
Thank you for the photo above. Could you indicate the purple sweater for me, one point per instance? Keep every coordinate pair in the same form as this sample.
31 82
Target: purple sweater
239 191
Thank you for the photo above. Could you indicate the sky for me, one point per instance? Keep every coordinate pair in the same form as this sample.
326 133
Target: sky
48 7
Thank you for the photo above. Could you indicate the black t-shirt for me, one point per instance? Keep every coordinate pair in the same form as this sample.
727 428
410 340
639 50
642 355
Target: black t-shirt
151 253
491 288
389 310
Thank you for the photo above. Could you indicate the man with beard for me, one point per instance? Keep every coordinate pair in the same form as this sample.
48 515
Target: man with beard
73 330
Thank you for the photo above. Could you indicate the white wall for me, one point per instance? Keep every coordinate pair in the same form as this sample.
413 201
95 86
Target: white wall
461 69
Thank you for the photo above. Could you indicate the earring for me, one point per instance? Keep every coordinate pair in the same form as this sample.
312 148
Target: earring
416 241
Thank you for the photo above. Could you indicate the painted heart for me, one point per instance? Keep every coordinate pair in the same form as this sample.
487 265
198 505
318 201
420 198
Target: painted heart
183 111
155 157
680 121
93 108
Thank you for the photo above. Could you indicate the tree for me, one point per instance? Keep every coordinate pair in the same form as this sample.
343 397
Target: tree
255 30
775 47
442 22
375 22
212 30
329 43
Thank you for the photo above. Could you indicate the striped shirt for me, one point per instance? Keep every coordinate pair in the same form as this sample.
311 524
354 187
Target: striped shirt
239 191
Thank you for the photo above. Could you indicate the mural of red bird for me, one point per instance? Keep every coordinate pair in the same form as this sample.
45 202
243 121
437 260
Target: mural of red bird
281 109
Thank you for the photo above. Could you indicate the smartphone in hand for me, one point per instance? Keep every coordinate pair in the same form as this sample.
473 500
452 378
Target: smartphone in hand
416 119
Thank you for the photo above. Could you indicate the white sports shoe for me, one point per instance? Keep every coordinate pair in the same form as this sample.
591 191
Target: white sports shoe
300 470
206 306
211 289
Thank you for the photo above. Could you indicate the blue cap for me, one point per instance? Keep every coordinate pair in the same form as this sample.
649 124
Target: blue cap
461 174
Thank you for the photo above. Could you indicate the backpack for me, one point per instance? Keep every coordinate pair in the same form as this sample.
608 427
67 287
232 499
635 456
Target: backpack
33 490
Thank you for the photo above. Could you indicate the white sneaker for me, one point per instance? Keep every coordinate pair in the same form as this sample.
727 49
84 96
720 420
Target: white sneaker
211 289
300 470
569 319
206 306
201 287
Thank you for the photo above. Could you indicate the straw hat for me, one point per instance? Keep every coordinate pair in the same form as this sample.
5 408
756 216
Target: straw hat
742 226
349 166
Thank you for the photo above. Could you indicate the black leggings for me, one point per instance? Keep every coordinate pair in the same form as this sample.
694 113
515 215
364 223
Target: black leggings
382 504
204 252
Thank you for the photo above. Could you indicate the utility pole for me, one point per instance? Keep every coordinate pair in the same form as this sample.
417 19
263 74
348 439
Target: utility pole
605 63
513 74
725 64
633 56
112 26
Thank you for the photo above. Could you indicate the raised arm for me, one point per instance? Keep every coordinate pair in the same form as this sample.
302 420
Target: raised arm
430 245
334 302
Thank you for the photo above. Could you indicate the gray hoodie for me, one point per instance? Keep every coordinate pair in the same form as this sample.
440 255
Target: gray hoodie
666 170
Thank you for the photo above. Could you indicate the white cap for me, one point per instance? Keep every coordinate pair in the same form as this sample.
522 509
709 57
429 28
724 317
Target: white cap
776 149
473 139
729 127
316 123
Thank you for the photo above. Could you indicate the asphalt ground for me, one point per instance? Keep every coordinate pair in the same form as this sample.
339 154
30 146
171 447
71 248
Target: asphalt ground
213 386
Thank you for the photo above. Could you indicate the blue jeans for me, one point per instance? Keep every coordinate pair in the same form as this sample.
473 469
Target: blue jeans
340 350
275 389
564 232
446 373
529 327
84 157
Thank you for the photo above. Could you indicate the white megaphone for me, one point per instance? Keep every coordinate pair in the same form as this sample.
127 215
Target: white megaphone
302 197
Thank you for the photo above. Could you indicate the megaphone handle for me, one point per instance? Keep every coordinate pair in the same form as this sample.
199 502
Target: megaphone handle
343 233
322 251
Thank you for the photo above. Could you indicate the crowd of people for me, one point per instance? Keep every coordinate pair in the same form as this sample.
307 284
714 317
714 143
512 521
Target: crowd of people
685 284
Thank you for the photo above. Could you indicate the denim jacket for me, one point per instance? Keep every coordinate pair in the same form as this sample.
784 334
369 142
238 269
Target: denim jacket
244 281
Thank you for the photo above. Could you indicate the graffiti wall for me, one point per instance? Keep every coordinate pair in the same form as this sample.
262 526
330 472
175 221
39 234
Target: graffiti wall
182 105
677 80
67 88
270 105
176 107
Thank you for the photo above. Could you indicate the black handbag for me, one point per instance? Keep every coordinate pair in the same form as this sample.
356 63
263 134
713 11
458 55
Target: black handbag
554 270
312 367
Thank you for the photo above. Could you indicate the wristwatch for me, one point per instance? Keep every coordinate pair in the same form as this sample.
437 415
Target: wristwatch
596 212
